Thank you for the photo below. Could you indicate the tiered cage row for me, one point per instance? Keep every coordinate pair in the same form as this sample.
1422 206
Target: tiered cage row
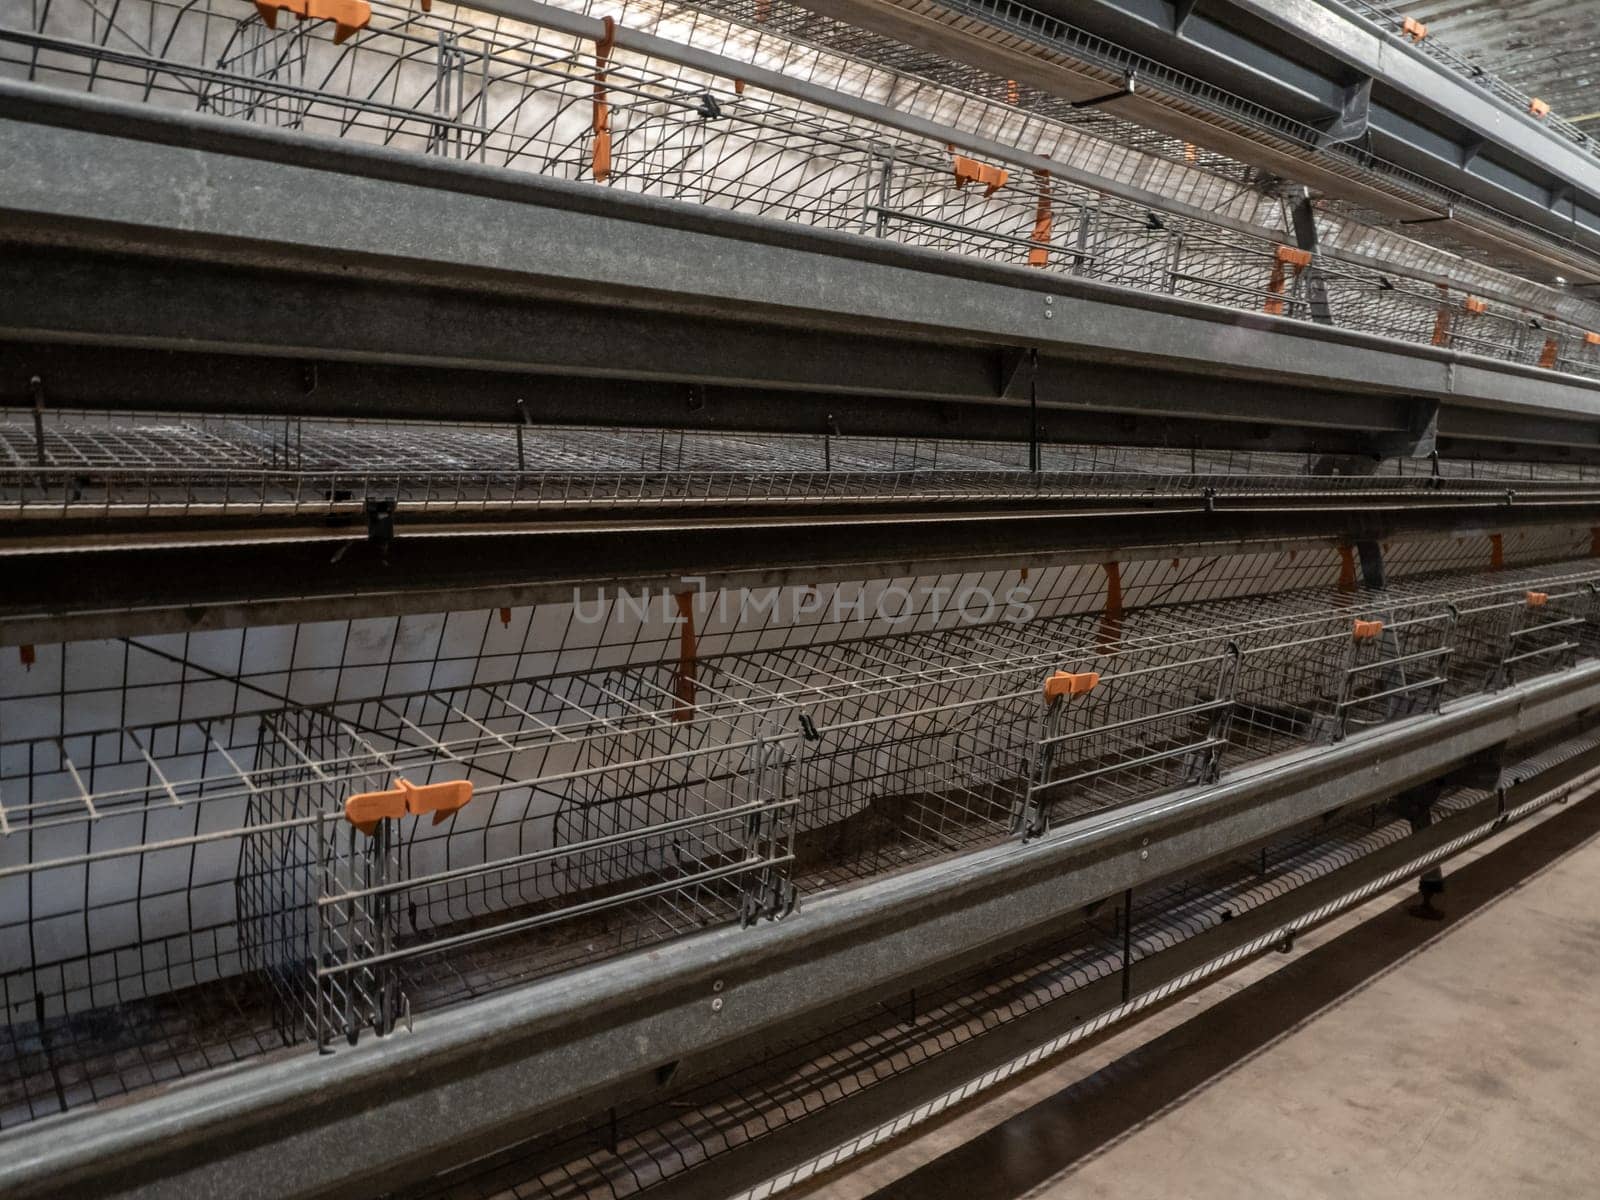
536 99
1097 139
185 895
92 465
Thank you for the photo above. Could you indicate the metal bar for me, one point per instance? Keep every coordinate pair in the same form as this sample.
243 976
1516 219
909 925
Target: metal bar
1145 719
1558 648
1435 681
535 856
1399 659
1145 760
440 945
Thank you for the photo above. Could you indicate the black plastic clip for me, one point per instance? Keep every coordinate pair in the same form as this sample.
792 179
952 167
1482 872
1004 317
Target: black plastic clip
380 523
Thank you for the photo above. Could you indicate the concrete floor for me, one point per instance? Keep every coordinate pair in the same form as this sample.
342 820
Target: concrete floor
1384 1057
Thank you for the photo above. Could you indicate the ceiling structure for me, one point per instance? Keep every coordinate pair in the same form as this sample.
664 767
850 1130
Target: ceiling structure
1547 48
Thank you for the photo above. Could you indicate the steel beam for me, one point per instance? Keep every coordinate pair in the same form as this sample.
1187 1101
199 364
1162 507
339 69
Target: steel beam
1475 116
506 1066
210 320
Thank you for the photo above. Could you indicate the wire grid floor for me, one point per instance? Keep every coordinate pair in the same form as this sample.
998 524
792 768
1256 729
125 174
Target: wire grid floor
153 466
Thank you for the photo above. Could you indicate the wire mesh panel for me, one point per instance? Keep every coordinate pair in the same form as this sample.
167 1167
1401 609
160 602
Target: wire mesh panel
912 769
1394 668
312 911
596 823
1290 681
1147 721
1547 631
118 945
156 467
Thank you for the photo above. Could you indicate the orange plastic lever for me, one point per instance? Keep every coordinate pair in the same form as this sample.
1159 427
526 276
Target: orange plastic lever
440 799
1367 629
365 809
1068 683
1281 256
1538 599
970 170
600 151
348 16
1413 29
1043 224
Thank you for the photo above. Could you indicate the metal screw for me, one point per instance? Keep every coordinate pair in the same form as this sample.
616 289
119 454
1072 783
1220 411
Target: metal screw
717 986
716 1005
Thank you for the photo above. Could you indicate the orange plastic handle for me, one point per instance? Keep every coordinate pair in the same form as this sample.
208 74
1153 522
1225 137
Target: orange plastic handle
970 170
348 16
365 809
1538 599
1367 629
1066 683
441 799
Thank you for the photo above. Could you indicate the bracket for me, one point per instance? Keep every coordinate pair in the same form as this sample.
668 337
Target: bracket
1449 214
1129 87
1353 119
